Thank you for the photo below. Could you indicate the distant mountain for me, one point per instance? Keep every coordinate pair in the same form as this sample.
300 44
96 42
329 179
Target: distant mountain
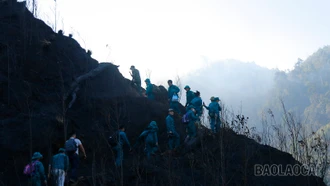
305 90
241 86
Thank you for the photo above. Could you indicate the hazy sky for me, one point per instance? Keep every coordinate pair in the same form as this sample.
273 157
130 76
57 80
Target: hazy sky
174 36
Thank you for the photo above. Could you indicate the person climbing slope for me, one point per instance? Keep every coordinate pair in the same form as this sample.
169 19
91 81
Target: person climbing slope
149 135
136 79
191 126
72 146
197 103
211 108
190 95
173 96
173 136
38 177
149 89
214 114
58 167
217 116
122 139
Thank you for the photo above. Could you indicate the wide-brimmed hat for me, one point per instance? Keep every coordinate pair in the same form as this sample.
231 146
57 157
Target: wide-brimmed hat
36 155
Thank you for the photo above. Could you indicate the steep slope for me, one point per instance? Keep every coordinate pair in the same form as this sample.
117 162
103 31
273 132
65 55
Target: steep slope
36 77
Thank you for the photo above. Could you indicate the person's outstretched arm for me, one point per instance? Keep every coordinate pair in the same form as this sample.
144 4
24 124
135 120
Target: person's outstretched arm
83 150
207 107
138 140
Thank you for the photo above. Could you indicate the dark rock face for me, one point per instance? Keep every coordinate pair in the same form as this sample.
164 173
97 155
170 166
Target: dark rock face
37 69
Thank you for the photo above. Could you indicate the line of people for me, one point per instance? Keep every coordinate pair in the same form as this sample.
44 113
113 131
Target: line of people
194 111
69 156
66 160
193 101
150 138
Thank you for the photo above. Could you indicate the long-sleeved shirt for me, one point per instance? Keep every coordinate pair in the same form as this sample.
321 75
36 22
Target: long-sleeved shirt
170 124
39 173
189 96
136 75
172 90
60 161
192 116
149 89
149 134
214 108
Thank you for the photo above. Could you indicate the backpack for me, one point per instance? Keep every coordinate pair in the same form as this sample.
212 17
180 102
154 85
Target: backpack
175 97
113 139
71 146
185 118
29 168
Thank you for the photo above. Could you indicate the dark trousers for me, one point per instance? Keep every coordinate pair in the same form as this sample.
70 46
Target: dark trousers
173 140
74 163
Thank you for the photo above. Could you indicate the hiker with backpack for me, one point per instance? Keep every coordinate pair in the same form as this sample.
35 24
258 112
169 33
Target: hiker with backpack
136 79
35 170
72 150
149 135
149 89
173 136
173 96
58 167
190 95
191 126
117 141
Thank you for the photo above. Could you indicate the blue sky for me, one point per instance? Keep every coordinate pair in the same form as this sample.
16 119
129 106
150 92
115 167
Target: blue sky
174 36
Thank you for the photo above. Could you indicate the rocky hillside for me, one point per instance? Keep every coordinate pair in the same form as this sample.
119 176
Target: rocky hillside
51 86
